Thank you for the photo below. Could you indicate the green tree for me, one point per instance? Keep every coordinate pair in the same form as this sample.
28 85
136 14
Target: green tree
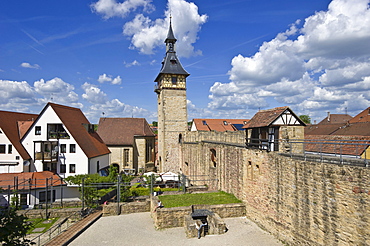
154 123
93 189
13 228
305 118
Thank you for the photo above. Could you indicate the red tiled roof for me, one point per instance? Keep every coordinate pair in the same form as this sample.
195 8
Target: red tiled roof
218 124
10 123
121 131
322 129
29 179
265 118
336 119
327 145
359 128
73 118
364 116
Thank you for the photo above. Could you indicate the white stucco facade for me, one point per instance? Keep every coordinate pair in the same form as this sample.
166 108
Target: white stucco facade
61 154
10 160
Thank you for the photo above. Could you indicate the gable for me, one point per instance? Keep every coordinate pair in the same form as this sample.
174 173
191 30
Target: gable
73 121
286 118
10 128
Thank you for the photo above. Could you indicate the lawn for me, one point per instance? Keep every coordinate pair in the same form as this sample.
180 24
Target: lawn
214 198
39 223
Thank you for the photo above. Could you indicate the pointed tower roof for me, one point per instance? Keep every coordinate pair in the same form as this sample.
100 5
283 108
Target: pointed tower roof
170 35
171 64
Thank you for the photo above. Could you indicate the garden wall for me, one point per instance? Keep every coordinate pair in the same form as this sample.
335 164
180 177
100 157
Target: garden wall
126 208
175 217
53 213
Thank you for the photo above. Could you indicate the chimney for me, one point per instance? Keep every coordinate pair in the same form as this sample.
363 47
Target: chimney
328 116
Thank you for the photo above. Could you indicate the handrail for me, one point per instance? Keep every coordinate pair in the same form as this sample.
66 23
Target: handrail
52 229
324 147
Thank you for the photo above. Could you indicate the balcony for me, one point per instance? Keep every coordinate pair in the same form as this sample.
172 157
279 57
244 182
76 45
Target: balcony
58 135
46 156
57 131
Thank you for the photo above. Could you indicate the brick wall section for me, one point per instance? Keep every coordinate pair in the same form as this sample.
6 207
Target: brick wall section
301 203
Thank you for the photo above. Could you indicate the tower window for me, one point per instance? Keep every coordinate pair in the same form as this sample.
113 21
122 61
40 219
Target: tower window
174 80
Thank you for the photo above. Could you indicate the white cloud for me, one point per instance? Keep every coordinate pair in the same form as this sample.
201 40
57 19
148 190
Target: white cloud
116 108
117 80
28 65
22 97
347 74
104 78
134 63
56 85
325 68
108 78
56 90
111 8
341 31
93 94
147 34
274 61
15 91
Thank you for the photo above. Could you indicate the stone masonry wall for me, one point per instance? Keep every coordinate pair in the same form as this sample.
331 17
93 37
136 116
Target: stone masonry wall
301 203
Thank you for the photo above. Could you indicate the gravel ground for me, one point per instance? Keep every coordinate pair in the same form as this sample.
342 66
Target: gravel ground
138 229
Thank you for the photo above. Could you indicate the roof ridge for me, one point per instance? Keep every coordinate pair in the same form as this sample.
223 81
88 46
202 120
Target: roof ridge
266 110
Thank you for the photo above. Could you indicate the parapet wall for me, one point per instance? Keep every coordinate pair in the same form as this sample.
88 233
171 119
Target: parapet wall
237 137
300 202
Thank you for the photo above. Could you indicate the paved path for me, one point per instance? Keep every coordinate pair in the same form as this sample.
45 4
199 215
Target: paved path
138 229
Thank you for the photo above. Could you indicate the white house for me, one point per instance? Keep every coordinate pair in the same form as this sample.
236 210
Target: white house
63 141
13 156
34 188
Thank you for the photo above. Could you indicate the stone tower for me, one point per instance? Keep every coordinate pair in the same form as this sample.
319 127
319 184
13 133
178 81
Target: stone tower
172 107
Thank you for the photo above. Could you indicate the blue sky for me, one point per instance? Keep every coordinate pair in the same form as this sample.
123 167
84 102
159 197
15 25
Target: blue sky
102 56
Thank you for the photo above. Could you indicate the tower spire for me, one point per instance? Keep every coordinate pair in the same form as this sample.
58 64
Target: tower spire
170 36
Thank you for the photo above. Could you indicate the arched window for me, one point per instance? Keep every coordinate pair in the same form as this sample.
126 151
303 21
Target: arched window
180 138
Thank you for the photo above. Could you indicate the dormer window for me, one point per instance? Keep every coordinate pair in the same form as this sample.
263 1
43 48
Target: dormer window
174 80
173 60
225 122
204 122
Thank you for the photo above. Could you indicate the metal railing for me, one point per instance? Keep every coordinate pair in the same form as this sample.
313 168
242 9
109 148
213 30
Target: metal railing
342 149
55 230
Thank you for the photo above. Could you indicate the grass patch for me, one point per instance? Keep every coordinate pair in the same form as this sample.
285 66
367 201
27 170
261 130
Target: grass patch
214 198
38 223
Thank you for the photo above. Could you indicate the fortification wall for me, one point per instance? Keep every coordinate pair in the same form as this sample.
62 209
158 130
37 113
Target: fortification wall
301 203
